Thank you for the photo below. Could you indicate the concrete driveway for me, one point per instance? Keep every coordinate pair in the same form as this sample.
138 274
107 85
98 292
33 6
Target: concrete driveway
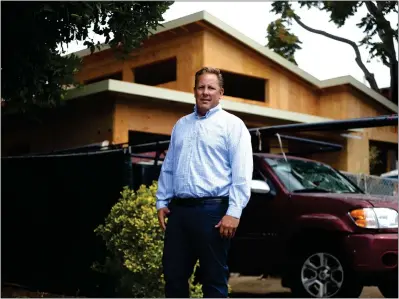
254 287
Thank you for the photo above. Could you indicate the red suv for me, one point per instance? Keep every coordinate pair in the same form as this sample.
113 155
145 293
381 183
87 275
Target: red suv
310 225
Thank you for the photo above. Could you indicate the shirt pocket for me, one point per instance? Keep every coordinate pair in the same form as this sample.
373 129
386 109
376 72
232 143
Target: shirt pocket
212 139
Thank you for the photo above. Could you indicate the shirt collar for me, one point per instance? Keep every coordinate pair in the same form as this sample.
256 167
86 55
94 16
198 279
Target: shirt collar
209 112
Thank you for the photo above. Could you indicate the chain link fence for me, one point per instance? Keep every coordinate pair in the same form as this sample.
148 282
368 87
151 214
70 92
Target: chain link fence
374 185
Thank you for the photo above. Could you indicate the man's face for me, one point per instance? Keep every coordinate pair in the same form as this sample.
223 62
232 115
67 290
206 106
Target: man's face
207 93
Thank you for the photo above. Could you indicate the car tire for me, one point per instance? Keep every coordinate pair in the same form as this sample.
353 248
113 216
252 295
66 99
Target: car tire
389 289
323 273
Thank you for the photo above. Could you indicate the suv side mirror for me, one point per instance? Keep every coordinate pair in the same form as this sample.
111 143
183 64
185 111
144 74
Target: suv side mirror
259 186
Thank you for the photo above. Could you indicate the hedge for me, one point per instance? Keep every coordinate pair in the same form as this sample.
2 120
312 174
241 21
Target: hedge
134 243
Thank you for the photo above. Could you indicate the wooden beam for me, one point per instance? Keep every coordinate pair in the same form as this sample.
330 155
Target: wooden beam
184 28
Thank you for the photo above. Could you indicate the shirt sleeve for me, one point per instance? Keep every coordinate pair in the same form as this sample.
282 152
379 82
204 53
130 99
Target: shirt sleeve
165 180
241 161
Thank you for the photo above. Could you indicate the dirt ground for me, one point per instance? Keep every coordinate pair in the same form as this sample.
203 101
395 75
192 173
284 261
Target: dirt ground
242 287
254 287
16 291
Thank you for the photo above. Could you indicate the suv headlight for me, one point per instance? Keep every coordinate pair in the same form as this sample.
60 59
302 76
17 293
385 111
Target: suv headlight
375 217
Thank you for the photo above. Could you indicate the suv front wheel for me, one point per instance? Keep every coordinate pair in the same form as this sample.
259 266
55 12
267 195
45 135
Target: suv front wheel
323 274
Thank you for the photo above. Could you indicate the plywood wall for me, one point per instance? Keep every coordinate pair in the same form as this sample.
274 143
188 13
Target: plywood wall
201 45
354 156
82 122
207 46
136 115
187 48
333 103
284 91
345 102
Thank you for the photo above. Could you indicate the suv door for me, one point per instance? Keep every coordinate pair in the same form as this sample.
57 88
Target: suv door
253 247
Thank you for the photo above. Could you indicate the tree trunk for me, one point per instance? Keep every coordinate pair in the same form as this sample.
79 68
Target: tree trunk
387 36
394 82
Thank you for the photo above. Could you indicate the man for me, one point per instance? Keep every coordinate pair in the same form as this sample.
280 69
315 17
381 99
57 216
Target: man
203 187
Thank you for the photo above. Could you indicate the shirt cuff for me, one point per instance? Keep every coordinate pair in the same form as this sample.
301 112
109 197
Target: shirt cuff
234 212
162 204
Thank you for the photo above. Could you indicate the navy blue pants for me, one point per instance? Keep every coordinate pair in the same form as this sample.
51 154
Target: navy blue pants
191 235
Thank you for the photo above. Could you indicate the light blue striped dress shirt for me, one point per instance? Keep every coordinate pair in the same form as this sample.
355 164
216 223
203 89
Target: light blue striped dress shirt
208 156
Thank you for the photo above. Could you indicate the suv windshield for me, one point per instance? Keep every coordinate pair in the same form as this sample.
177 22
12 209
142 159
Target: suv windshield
308 176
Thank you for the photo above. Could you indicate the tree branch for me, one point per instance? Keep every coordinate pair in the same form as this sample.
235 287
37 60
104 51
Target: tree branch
369 76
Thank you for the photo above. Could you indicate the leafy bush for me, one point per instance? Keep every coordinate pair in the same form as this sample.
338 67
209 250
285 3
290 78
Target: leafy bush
135 242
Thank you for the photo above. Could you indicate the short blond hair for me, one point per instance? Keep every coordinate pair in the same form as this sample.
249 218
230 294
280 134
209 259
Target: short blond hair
209 70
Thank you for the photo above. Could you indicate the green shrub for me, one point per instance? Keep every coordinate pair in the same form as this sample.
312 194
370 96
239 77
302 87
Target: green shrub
134 241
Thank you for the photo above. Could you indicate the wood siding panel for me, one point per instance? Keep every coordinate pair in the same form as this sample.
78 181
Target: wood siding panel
81 122
385 134
337 160
136 115
345 102
188 49
360 105
284 91
169 85
333 105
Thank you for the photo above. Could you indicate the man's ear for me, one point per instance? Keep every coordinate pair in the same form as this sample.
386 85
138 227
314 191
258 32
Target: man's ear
221 91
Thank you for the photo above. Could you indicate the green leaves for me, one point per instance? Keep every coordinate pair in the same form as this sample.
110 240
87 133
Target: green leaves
280 7
33 71
339 11
279 37
135 242
282 41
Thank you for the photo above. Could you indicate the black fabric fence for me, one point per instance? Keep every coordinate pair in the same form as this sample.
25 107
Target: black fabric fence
50 207
144 174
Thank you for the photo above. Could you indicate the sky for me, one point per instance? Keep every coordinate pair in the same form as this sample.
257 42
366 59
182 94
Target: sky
320 56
